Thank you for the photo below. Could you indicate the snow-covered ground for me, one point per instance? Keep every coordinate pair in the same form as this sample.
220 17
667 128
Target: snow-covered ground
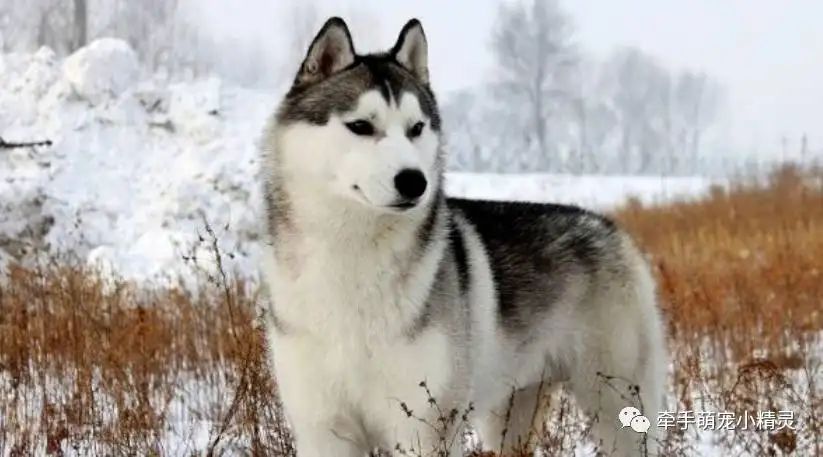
598 192
137 164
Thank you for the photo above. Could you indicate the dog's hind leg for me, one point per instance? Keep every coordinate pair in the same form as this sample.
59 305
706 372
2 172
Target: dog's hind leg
317 441
621 366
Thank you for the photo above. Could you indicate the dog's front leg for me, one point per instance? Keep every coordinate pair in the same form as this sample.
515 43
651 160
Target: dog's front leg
323 428
321 424
421 439
323 441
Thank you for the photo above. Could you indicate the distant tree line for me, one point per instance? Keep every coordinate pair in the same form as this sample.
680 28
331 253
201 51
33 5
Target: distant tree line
547 106
550 107
167 36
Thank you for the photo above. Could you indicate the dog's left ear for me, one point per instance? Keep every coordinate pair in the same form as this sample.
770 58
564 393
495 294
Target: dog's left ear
331 51
411 50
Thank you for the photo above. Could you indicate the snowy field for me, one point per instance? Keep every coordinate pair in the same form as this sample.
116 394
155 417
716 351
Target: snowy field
138 163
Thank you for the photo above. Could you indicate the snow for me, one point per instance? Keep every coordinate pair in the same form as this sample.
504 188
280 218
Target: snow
138 165
598 192
102 70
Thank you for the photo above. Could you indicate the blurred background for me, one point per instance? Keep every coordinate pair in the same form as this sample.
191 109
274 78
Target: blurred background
590 86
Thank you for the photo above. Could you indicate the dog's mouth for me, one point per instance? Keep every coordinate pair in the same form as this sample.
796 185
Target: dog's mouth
398 206
404 205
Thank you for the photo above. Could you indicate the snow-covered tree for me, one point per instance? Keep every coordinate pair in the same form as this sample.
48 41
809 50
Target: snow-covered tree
535 59
661 114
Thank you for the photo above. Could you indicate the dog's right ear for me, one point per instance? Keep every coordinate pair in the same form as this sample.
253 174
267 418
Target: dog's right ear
331 51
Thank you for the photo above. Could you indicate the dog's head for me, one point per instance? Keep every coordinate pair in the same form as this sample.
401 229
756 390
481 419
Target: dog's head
363 127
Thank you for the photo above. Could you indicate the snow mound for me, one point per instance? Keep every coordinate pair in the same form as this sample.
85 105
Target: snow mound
102 70
195 112
137 167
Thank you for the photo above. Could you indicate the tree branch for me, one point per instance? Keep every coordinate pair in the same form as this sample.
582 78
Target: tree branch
27 144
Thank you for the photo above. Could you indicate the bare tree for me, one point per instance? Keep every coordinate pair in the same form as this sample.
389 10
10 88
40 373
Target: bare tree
662 115
54 26
302 20
80 24
535 58
698 100
476 141
149 26
462 136
637 89
60 25
591 121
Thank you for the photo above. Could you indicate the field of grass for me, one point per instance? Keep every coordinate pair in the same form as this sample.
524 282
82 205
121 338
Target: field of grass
91 369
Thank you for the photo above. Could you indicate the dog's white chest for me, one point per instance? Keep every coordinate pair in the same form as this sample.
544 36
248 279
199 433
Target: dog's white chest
359 385
347 343
336 294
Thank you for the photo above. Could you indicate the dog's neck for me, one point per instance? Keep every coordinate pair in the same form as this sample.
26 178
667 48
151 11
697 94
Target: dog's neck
368 261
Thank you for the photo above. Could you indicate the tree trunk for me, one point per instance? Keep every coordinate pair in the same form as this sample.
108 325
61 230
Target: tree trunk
81 24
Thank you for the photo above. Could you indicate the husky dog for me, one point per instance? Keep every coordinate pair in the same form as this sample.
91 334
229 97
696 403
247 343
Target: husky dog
377 281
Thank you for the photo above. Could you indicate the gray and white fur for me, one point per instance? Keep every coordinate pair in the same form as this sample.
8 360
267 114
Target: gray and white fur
377 281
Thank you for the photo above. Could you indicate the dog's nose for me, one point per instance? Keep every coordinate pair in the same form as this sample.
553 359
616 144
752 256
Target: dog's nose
410 183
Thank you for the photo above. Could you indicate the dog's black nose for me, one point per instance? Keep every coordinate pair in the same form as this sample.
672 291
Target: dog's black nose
410 183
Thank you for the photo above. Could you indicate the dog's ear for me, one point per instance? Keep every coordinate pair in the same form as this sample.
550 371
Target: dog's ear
411 50
331 51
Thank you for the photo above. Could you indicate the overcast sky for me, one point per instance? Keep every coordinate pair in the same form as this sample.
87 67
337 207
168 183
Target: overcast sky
769 53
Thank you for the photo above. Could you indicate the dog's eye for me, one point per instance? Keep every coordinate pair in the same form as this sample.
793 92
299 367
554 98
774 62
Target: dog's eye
416 130
361 128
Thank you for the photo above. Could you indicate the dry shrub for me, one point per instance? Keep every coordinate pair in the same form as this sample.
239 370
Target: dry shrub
112 371
741 284
115 371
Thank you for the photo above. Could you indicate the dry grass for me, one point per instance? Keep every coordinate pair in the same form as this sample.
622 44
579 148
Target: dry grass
741 282
88 370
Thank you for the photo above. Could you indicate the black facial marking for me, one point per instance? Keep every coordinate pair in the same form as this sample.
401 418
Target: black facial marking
339 93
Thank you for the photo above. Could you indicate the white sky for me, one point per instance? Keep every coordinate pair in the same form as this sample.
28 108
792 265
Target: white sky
768 53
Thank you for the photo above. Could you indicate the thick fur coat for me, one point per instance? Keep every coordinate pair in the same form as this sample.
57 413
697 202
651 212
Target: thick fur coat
379 282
